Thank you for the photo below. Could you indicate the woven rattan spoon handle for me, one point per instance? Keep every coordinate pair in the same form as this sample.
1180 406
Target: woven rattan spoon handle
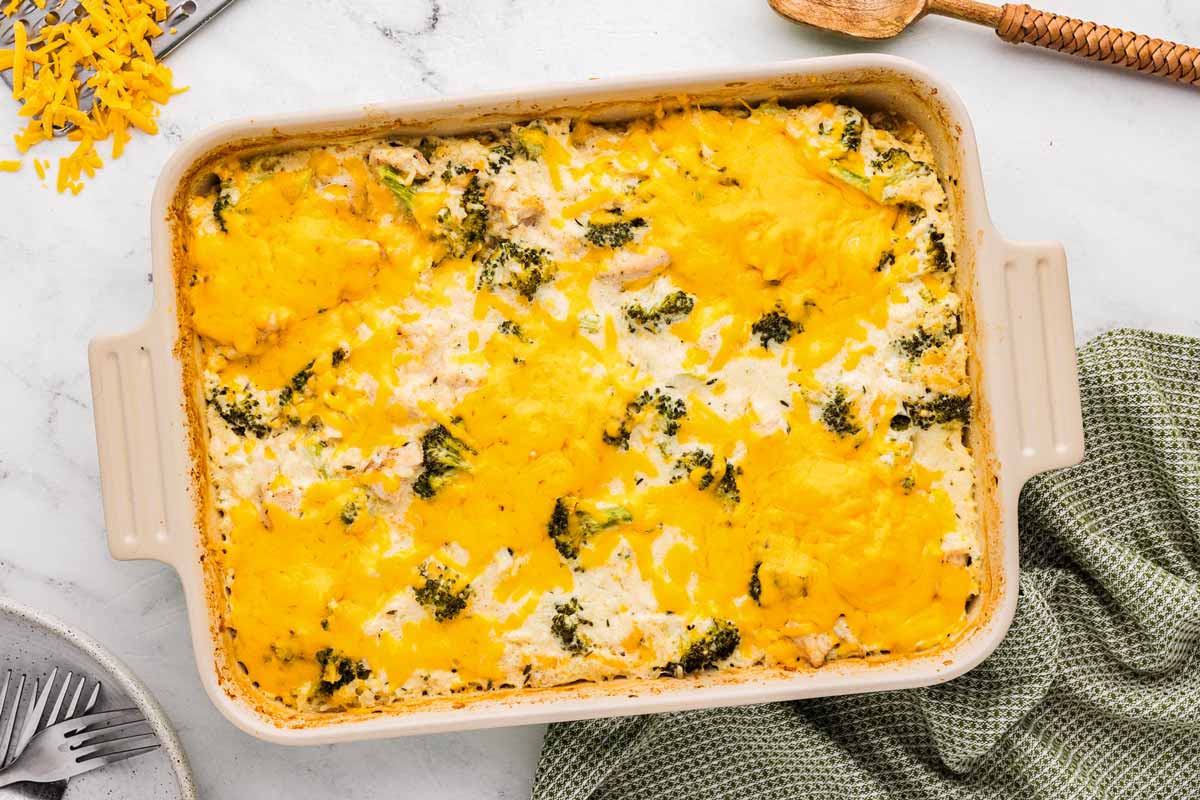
1020 24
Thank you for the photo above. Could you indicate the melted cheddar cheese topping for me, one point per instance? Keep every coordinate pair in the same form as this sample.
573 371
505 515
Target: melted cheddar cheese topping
569 401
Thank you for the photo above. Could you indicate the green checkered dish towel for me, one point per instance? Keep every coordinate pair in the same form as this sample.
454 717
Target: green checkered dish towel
1095 692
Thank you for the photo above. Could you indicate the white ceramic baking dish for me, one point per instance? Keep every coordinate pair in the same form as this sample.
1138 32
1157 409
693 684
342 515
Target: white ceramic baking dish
1018 321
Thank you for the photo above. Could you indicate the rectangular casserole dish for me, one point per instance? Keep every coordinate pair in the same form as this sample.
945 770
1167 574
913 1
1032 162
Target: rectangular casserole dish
1017 320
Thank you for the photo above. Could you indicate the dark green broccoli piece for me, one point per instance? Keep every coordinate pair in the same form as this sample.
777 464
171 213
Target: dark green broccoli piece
913 211
774 326
755 590
337 671
338 356
442 455
717 644
917 343
525 268
852 133
500 157
221 206
900 422
242 415
613 234
510 328
939 410
898 165
392 180
691 461
726 487
441 593
296 384
939 256
886 259
465 235
670 310
670 411
565 627
524 144
349 513
838 414
428 147
570 526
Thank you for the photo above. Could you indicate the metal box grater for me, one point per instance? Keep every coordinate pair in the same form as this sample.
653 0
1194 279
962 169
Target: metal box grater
185 18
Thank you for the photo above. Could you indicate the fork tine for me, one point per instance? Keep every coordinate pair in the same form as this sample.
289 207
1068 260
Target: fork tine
100 720
37 706
114 746
11 723
91 702
75 698
111 758
102 735
58 703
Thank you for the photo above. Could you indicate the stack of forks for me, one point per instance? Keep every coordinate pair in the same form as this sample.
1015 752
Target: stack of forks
51 746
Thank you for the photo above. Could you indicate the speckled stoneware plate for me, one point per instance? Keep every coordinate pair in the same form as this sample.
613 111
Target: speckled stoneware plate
34 643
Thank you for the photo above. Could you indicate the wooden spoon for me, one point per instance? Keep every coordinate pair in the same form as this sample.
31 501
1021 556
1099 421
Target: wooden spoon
882 19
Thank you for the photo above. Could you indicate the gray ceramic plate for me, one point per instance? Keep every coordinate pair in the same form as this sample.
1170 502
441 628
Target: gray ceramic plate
33 642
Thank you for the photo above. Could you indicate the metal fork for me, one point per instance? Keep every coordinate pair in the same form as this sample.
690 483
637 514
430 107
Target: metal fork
11 747
79 745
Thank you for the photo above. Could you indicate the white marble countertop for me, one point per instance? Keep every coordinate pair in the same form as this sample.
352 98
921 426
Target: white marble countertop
1103 161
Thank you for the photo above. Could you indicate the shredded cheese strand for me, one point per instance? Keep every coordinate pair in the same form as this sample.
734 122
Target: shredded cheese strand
105 52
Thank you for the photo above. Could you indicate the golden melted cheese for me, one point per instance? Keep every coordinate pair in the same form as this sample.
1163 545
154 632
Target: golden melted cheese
773 474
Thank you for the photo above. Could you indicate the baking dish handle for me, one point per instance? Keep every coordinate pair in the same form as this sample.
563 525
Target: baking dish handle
1044 378
132 448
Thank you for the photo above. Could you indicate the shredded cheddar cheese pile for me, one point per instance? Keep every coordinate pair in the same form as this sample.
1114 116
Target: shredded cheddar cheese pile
104 53
574 402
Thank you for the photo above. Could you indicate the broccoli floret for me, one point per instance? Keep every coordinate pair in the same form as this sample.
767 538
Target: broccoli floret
570 526
221 206
913 211
526 141
565 627
939 410
613 234
525 268
852 133
725 487
939 256
443 593
899 165
917 343
691 461
242 415
296 384
442 455
338 356
510 328
428 147
500 157
838 414
886 259
755 589
673 308
465 235
669 409
392 180
337 671
774 326
717 644
349 513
